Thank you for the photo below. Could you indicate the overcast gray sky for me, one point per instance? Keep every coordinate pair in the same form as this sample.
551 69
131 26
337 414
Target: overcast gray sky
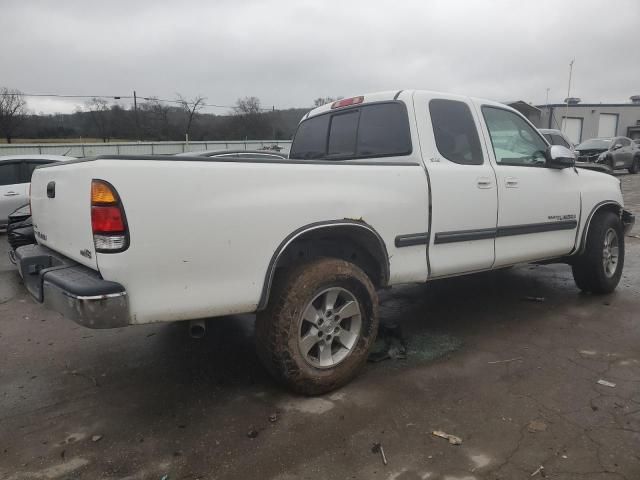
288 53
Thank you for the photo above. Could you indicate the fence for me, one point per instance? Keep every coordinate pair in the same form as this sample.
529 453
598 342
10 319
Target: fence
136 148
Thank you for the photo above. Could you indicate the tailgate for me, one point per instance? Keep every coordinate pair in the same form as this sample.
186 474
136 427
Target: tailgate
61 208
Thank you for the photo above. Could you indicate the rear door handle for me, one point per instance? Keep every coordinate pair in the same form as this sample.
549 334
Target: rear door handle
11 194
511 182
484 182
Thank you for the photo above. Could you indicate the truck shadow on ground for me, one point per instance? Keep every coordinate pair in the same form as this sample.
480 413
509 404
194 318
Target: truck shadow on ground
435 320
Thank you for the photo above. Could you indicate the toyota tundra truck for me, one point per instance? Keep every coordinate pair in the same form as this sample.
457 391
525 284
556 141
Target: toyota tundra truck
378 190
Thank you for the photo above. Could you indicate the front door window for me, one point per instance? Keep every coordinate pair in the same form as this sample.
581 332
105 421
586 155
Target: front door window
514 141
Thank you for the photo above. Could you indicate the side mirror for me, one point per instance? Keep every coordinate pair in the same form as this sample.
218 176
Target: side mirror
560 157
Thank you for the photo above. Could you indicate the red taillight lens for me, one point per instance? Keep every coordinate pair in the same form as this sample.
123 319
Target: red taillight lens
106 219
345 102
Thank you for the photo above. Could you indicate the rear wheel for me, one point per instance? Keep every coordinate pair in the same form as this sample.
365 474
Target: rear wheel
319 326
635 165
599 268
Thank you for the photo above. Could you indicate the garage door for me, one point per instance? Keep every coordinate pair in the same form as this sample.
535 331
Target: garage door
572 128
607 125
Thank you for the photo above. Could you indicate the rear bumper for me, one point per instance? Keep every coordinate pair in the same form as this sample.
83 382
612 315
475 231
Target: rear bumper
628 221
77 292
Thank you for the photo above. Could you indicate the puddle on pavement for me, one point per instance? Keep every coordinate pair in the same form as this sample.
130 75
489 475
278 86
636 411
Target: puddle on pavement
397 348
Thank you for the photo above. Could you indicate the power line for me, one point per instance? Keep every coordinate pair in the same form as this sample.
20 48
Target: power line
128 97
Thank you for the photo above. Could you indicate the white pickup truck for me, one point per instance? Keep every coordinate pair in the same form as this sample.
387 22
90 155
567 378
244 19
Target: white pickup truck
378 190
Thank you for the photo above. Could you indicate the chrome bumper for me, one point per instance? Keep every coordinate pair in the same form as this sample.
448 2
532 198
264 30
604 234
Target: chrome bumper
73 290
628 221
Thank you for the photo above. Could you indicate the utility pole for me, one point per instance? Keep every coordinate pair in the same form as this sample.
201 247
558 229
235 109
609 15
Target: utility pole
566 111
135 110
547 99
546 105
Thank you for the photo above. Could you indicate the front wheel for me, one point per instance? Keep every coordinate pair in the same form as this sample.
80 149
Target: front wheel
319 326
599 268
635 165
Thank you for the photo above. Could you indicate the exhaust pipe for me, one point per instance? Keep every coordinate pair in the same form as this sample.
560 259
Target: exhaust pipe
197 328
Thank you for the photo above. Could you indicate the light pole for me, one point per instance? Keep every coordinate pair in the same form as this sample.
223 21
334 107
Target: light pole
546 105
566 111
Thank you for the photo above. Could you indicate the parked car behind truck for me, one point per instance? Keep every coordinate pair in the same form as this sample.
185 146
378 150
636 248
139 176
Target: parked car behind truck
378 190
15 175
556 137
616 153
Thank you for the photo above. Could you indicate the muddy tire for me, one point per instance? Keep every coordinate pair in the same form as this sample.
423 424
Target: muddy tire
319 325
635 165
599 268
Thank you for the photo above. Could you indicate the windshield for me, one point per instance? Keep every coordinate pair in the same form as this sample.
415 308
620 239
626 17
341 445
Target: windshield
595 143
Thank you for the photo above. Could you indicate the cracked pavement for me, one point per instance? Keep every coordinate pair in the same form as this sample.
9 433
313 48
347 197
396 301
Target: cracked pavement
520 388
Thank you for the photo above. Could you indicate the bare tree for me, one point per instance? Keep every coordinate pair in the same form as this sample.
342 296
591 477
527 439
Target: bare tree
318 102
158 118
191 107
250 121
13 109
247 106
99 110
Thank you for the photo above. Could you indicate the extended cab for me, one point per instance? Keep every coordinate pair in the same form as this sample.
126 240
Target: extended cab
378 190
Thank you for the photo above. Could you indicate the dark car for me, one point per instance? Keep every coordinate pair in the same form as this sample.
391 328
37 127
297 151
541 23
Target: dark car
20 230
616 152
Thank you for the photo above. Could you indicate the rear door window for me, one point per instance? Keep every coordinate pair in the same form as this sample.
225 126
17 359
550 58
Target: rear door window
10 173
455 132
375 130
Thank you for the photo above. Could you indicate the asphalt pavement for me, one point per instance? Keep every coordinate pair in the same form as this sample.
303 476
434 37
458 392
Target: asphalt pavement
536 379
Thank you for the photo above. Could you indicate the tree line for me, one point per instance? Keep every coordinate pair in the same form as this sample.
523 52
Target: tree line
152 120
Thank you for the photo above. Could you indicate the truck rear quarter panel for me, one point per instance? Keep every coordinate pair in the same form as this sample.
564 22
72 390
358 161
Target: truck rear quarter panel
203 233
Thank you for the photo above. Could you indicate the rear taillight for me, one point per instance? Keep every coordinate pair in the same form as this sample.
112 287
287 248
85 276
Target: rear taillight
108 221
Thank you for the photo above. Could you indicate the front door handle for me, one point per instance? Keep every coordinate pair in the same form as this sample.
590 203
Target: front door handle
484 182
511 182
11 194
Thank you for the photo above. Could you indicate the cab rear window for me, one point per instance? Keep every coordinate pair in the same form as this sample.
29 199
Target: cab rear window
375 130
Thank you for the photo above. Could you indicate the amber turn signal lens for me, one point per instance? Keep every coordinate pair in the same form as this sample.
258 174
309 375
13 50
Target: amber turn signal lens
101 192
